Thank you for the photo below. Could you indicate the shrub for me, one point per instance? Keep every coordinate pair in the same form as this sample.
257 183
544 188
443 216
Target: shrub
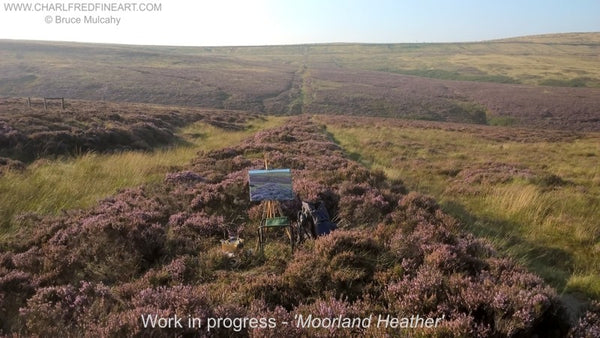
342 262
155 250
65 310
183 177
362 204
588 326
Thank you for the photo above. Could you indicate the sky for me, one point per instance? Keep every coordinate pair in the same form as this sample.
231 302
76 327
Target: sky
271 22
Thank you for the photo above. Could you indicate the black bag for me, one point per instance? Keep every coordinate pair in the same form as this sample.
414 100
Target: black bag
321 224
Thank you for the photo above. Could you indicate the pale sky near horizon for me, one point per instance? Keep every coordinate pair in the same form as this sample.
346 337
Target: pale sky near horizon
269 22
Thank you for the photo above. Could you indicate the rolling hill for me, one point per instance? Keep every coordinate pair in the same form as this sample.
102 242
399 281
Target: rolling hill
463 178
542 81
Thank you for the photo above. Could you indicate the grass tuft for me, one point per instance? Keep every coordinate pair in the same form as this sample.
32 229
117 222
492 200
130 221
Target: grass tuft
538 200
50 186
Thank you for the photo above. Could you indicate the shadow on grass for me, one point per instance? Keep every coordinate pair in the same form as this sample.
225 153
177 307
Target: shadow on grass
187 140
351 155
552 264
78 148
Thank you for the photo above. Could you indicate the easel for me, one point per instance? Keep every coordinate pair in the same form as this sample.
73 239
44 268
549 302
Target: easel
272 217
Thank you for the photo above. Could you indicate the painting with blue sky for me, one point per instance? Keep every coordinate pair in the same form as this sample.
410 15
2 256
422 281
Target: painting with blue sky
270 185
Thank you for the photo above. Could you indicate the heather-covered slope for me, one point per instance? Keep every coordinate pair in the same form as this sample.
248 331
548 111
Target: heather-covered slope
154 250
369 93
27 133
527 82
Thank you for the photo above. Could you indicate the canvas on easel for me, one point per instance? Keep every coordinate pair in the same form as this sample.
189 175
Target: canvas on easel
271 186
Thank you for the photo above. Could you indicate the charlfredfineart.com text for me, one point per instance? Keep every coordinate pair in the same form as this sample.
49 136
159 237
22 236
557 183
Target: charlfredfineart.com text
74 7
80 13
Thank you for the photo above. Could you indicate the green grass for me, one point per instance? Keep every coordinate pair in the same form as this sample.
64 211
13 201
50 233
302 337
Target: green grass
48 187
504 121
452 75
556 60
548 220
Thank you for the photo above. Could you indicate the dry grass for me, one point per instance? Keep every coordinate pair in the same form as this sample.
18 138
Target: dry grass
50 186
537 200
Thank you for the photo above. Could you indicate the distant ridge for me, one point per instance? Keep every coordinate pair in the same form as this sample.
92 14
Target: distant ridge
566 38
563 38
547 81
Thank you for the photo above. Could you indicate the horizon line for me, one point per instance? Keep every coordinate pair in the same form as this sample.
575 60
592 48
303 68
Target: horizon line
295 44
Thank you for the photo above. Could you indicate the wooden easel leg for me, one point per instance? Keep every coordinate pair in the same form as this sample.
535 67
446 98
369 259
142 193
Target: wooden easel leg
290 234
260 240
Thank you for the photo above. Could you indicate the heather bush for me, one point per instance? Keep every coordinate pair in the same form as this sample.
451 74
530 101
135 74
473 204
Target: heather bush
490 303
276 254
589 325
342 262
418 205
67 310
492 173
436 245
260 309
307 275
33 230
184 269
361 204
177 299
183 177
119 250
30 260
162 302
7 164
419 294
191 233
127 232
155 250
229 196
309 189
274 290
332 308
445 272
255 213
15 288
408 251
